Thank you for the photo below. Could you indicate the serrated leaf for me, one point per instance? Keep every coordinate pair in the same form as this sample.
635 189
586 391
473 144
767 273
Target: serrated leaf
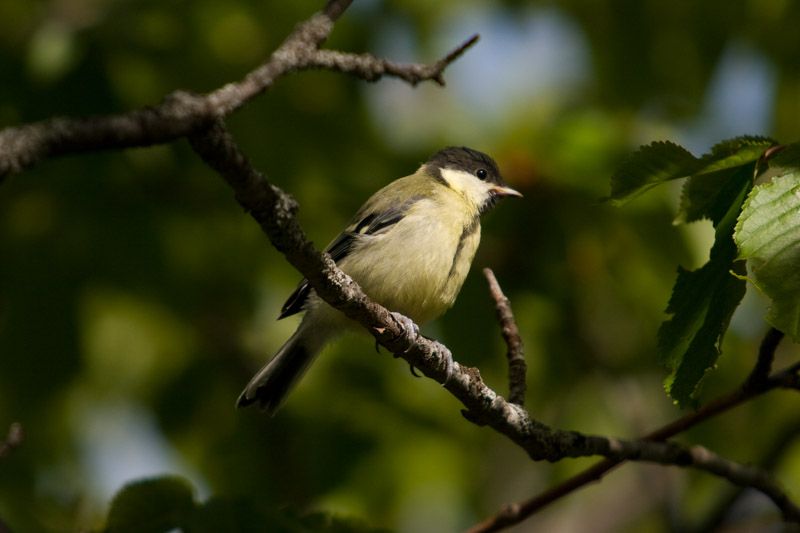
735 152
689 344
703 300
702 304
711 195
151 505
722 172
768 237
650 165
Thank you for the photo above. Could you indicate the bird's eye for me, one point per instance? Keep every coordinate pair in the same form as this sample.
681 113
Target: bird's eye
481 173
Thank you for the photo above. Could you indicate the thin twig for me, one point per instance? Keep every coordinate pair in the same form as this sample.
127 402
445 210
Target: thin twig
514 513
371 68
335 8
766 355
200 118
769 459
182 114
517 367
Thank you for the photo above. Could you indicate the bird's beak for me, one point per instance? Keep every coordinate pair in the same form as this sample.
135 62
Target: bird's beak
502 190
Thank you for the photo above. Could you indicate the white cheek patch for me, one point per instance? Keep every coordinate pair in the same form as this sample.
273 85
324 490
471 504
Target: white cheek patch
473 189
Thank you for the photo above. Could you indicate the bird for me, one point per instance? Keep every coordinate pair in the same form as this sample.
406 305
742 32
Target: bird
409 247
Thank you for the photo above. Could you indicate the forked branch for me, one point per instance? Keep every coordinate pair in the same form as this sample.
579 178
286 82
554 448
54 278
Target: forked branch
182 114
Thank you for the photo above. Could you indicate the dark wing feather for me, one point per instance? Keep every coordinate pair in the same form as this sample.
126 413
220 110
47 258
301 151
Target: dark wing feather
296 301
367 224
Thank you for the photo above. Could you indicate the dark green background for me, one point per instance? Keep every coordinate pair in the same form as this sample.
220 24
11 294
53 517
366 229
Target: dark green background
136 298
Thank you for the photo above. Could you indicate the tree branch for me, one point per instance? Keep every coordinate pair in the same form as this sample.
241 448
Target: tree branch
371 68
181 114
514 513
517 368
766 355
721 511
274 211
200 119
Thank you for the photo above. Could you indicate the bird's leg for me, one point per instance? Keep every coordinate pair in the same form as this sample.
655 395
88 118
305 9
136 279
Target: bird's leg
410 366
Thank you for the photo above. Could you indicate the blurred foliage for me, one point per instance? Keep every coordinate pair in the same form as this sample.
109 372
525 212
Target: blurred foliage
136 299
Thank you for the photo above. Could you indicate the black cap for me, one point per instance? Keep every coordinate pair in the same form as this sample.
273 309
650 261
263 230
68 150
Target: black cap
468 160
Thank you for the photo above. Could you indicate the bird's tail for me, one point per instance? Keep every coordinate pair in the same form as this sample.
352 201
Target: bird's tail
270 386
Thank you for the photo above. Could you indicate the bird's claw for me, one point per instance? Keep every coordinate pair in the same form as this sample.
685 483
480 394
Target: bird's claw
449 364
410 330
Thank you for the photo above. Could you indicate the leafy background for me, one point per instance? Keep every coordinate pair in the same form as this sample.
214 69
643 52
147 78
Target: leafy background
136 299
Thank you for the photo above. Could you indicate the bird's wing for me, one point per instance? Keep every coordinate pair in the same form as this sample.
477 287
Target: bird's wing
368 221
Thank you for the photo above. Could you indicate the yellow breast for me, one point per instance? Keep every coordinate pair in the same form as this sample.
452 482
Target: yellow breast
419 266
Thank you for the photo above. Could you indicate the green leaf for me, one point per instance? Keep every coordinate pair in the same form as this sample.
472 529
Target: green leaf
650 165
711 195
702 304
718 180
151 505
702 300
768 237
735 152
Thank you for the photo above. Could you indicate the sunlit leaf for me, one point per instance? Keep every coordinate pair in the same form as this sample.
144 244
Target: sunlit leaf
736 151
768 236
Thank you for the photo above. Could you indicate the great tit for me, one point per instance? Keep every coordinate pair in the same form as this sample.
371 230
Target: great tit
409 247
